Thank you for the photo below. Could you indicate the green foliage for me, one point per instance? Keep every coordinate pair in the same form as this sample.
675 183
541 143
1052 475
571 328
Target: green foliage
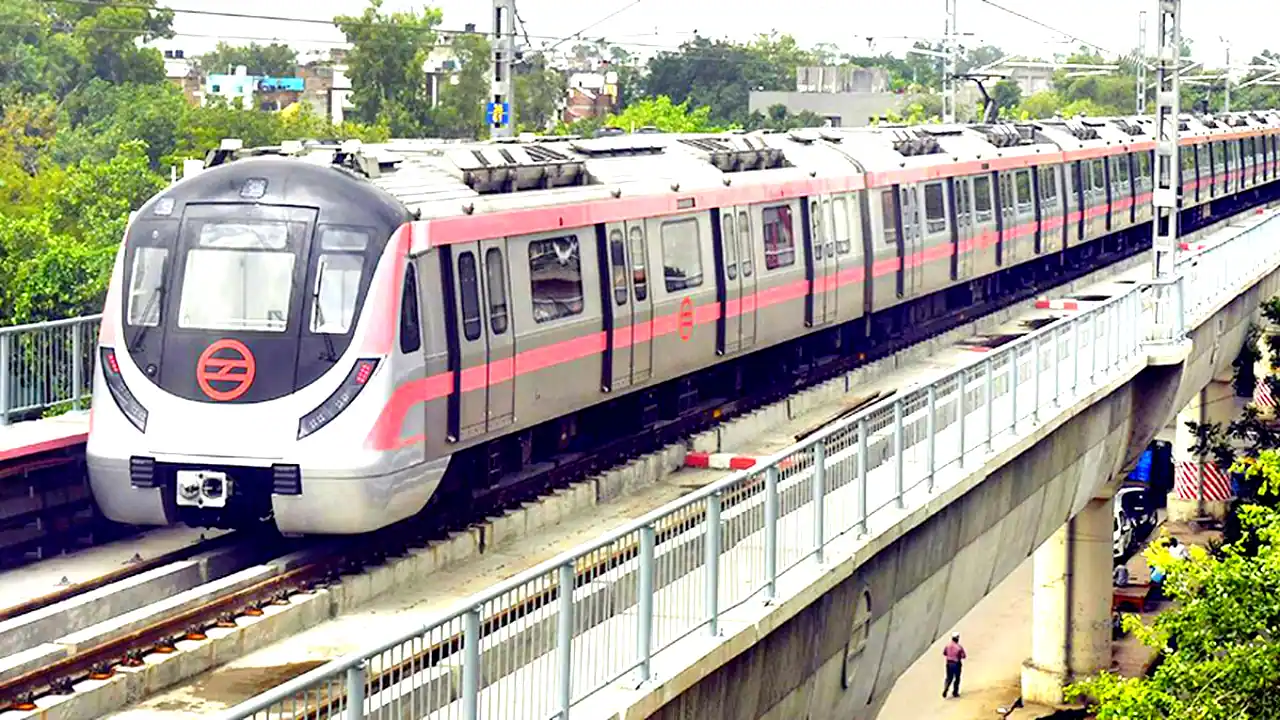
386 66
461 113
660 113
274 60
538 91
1220 657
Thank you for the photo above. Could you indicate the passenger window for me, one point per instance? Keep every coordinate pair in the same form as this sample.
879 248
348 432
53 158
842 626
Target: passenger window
730 245
638 276
745 248
146 286
618 258
935 211
841 226
1122 169
1022 184
1144 165
779 243
681 254
982 198
410 330
496 284
469 289
1099 175
1048 187
555 278
889 217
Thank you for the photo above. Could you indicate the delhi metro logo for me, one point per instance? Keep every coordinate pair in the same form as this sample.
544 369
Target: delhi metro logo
685 319
225 370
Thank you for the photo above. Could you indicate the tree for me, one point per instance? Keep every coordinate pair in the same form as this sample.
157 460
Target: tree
462 102
777 117
539 90
385 65
1006 95
721 75
275 60
1220 654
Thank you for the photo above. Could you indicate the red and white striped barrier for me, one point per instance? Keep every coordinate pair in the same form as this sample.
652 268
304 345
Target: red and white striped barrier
719 461
1217 486
1189 246
1262 394
1047 304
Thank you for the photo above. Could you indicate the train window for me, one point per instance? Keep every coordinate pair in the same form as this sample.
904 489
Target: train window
496 284
1022 185
333 300
681 254
469 290
815 221
745 249
779 242
1144 165
1099 173
1202 157
889 217
1122 170
347 239
410 330
242 279
841 226
555 277
639 278
618 258
146 286
1188 161
730 245
1048 187
982 198
935 208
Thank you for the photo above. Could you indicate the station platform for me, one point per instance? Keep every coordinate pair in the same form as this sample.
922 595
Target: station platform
33 437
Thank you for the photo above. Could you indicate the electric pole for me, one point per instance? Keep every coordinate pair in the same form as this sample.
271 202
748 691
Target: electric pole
501 112
1142 63
952 49
1226 83
1164 230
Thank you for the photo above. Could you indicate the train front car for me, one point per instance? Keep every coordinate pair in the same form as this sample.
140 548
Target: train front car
247 349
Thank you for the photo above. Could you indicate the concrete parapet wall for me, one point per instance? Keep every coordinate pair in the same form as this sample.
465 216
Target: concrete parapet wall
823 653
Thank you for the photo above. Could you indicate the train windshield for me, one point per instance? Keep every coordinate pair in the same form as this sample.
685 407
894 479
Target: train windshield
239 275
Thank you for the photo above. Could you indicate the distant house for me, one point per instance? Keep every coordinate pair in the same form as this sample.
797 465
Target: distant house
182 72
250 91
590 95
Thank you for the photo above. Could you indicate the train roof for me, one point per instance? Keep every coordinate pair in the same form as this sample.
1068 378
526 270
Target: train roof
437 178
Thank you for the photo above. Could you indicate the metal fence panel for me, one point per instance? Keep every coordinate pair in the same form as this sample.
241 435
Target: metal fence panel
47 365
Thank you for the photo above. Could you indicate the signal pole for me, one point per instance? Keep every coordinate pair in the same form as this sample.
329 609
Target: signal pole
949 71
1142 63
501 111
1164 230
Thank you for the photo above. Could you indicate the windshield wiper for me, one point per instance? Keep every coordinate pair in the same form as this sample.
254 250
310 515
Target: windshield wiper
331 354
152 304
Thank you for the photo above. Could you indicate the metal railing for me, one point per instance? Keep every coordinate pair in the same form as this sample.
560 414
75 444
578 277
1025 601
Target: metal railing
550 638
47 365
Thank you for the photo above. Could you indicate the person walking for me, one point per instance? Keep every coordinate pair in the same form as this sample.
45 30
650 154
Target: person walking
1178 550
955 655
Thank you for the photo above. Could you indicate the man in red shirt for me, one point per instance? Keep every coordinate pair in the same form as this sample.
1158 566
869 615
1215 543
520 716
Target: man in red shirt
954 653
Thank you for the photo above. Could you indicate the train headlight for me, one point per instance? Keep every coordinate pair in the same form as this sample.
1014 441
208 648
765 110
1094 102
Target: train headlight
340 399
120 392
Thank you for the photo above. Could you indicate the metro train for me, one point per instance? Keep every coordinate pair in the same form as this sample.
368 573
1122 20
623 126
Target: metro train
326 335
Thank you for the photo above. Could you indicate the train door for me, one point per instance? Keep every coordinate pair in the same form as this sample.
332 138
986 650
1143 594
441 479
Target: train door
822 287
1008 219
746 276
964 249
471 368
500 336
630 349
730 330
912 260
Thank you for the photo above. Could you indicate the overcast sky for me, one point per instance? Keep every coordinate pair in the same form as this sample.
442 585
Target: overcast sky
656 24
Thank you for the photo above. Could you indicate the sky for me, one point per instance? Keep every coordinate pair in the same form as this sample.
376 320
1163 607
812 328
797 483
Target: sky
653 25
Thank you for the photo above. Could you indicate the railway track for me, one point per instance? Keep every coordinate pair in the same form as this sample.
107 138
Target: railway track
325 563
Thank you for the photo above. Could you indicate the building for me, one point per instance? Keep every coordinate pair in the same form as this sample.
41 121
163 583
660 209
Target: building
590 95
1030 80
181 71
841 79
327 89
250 91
